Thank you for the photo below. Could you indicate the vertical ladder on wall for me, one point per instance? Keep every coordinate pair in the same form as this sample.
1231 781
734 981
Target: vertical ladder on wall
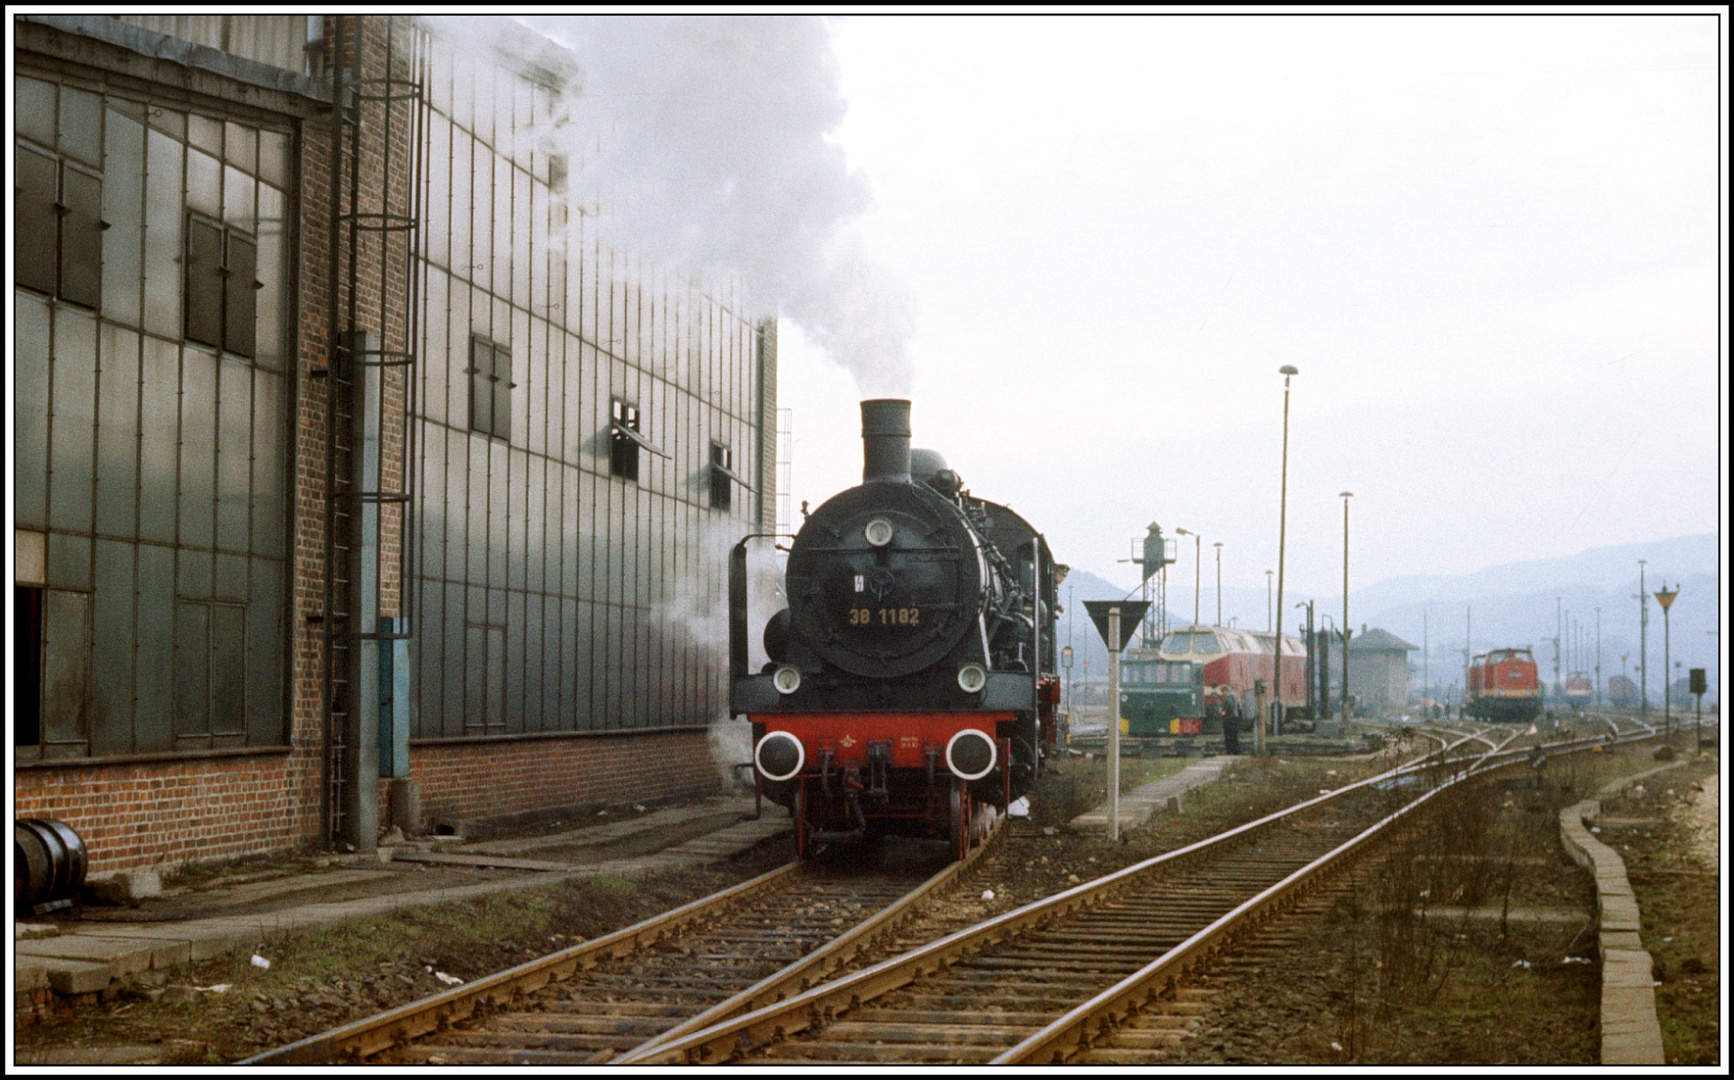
785 469
372 315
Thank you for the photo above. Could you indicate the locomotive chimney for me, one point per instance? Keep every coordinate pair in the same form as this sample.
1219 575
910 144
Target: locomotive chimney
885 439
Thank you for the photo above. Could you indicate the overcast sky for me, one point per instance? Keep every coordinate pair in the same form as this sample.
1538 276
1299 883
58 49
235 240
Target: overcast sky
1490 245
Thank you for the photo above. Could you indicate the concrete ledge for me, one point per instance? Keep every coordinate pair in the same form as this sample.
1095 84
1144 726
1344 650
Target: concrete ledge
1631 1032
28 974
70 977
1168 793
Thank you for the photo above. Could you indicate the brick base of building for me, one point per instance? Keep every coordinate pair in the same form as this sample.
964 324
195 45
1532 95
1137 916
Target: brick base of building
523 780
162 815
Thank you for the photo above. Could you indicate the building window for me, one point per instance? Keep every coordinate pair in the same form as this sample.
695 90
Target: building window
58 244
222 284
623 458
722 476
27 660
491 385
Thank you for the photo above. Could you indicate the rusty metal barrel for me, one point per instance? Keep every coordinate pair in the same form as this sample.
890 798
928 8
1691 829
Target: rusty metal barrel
49 862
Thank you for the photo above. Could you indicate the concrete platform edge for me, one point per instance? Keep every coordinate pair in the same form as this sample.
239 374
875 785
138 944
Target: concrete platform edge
1631 1033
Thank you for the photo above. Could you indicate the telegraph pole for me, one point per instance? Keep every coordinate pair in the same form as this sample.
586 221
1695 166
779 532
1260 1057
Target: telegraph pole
1557 630
1598 658
1643 644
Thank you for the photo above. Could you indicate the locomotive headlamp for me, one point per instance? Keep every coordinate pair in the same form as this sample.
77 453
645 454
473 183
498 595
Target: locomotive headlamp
780 756
971 678
971 754
878 532
787 679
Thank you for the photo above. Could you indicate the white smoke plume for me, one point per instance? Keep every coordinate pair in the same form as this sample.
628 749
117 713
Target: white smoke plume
706 142
694 613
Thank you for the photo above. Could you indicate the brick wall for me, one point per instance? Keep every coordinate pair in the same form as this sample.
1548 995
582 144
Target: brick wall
477 781
165 814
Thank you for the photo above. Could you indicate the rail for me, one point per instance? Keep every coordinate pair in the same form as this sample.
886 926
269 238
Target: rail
372 1035
818 1004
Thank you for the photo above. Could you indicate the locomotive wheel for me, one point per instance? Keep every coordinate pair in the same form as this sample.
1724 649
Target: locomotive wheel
962 830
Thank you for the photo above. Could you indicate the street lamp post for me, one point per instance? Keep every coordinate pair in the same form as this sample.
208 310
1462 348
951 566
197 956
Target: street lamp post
1218 546
1643 643
1598 658
1289 371
1197 568
1269 584
1346 496
1666 598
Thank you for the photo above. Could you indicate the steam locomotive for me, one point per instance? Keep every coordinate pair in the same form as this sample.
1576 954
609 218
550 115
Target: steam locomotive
911 682
1504 687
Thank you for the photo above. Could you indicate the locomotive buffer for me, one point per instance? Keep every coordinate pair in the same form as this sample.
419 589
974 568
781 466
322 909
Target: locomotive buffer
1112 619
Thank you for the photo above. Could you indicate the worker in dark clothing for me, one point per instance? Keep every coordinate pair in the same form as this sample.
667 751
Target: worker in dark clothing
1230 722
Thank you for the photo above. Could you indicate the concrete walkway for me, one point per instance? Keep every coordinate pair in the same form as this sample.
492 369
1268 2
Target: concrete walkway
1631 1032
1137 805
90 957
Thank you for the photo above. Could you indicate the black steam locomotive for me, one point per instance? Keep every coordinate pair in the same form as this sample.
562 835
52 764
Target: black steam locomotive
911 683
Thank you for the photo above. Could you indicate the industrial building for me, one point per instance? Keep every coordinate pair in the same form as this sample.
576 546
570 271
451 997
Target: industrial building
358 479
1378 672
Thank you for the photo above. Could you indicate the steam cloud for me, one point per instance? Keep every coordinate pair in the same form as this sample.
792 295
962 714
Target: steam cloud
706 143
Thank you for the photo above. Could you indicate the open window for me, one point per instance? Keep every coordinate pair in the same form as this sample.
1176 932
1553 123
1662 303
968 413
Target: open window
58 243
723 477
222 285
491 385
628 440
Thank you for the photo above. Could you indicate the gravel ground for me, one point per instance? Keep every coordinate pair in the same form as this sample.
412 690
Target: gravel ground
1674 866
1287 1014
321 979
1377 988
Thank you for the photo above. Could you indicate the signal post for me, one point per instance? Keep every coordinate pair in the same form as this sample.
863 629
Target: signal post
1112 618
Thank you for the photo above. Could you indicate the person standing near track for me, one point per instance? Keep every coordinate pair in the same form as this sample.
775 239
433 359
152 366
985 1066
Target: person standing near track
1230 708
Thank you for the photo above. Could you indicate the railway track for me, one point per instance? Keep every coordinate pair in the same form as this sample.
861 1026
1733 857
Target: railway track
773 969
694 966
1053 980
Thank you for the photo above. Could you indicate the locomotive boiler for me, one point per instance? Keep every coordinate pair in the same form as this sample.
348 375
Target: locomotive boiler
911 684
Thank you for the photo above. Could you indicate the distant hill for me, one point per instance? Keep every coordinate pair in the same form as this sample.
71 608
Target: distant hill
1523 604
1512 604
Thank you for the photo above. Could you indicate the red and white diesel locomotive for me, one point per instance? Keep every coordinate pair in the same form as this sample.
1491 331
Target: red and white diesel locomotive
1579 690
1234 660
911 684
1504 687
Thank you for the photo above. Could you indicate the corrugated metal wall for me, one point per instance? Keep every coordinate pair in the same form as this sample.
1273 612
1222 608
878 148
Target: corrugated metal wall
553 596
278 40
157 467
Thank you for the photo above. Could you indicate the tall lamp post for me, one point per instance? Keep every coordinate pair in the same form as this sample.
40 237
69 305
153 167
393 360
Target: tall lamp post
1666 598
1643 643
1598 658
1197 568
1218 546
1346 496
1289 371
1269 583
